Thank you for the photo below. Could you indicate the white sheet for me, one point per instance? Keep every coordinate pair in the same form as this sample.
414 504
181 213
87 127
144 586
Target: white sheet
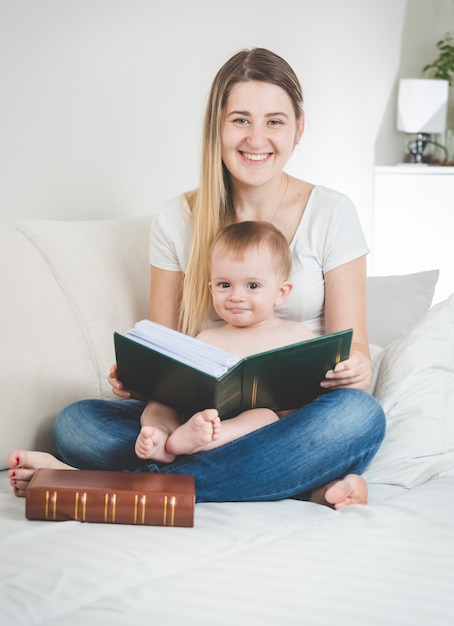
264 564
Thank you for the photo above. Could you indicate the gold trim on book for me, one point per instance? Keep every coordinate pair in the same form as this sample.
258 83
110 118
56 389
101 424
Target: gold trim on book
76 506
54 505
143 508
173 502
255 384
114 507
106 506
339 351
53 500
164 517
83 501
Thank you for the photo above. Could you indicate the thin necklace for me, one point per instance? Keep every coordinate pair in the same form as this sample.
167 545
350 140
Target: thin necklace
281 200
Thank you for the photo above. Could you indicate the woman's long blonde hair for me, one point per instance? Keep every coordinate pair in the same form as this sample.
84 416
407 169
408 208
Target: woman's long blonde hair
212 204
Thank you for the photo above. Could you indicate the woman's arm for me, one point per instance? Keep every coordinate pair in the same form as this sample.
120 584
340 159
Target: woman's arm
345 307
165 295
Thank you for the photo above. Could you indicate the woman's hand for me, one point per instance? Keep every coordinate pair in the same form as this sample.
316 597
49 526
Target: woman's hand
354 373
118 388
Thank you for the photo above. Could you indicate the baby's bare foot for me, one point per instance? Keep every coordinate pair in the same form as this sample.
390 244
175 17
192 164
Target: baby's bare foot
196 434
23 465
350 490
151 444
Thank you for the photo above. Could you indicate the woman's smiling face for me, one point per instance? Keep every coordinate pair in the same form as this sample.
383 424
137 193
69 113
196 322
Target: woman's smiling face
259 131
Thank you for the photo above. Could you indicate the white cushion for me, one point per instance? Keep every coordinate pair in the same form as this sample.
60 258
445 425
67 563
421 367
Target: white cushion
394 303
415 386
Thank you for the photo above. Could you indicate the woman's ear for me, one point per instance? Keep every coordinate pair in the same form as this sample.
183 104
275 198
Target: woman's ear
283 292
299 128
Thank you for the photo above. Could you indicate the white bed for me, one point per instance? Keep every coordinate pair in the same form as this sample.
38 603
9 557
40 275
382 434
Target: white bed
287 562
265 564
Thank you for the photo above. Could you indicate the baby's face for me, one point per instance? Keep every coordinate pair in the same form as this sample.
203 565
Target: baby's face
245 290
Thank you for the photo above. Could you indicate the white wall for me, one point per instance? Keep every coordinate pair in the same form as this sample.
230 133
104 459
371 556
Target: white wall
426 22
102 100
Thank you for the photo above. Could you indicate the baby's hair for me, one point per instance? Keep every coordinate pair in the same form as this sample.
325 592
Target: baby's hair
240 237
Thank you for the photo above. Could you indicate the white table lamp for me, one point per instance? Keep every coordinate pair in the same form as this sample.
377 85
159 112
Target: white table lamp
422 106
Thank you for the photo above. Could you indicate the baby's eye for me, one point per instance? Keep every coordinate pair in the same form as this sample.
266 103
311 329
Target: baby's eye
224 285
253 286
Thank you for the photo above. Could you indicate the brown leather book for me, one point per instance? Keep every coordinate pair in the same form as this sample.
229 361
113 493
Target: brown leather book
111 497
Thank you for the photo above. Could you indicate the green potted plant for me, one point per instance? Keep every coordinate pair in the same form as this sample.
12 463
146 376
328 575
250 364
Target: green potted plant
443 66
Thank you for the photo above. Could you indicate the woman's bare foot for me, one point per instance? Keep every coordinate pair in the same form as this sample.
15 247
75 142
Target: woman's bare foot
350 490
196 434
24 463
151 444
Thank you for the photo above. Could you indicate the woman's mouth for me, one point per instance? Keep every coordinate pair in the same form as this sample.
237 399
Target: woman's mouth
251 156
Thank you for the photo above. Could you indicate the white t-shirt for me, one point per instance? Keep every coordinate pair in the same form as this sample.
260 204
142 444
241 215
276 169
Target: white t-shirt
328 235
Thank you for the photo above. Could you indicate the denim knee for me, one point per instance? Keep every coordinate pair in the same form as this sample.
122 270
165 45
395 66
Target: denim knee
99 434
366 424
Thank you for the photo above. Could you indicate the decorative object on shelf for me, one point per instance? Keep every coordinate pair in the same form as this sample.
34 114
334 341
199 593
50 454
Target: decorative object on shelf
421 109
442 68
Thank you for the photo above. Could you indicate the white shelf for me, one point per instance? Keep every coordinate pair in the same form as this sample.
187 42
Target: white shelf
403 169
413 223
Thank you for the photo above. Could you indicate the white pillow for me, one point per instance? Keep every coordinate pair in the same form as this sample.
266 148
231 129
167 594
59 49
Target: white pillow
415 386
394 303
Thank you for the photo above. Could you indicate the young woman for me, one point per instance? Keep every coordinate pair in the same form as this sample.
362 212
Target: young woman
253 120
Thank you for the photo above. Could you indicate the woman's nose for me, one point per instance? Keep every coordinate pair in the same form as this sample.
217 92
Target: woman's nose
256 136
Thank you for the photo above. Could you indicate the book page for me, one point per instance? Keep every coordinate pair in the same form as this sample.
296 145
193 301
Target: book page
186 349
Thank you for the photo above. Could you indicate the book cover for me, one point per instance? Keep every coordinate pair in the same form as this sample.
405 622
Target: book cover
138 498
280 379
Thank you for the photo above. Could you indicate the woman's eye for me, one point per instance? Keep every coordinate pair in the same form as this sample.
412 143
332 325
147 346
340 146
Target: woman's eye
241 121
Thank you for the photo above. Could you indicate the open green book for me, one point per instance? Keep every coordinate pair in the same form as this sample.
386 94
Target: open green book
191 375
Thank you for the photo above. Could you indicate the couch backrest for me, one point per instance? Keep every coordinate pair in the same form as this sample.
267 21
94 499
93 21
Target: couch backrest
67 286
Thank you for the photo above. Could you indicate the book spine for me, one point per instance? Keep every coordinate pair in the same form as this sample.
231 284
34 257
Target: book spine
110 507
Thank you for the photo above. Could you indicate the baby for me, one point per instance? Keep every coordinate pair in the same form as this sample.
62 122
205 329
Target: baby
250 265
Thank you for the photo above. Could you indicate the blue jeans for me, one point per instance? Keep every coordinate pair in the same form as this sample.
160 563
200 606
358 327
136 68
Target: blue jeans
335 435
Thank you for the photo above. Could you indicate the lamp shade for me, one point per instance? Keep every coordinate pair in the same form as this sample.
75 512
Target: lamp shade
422 105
